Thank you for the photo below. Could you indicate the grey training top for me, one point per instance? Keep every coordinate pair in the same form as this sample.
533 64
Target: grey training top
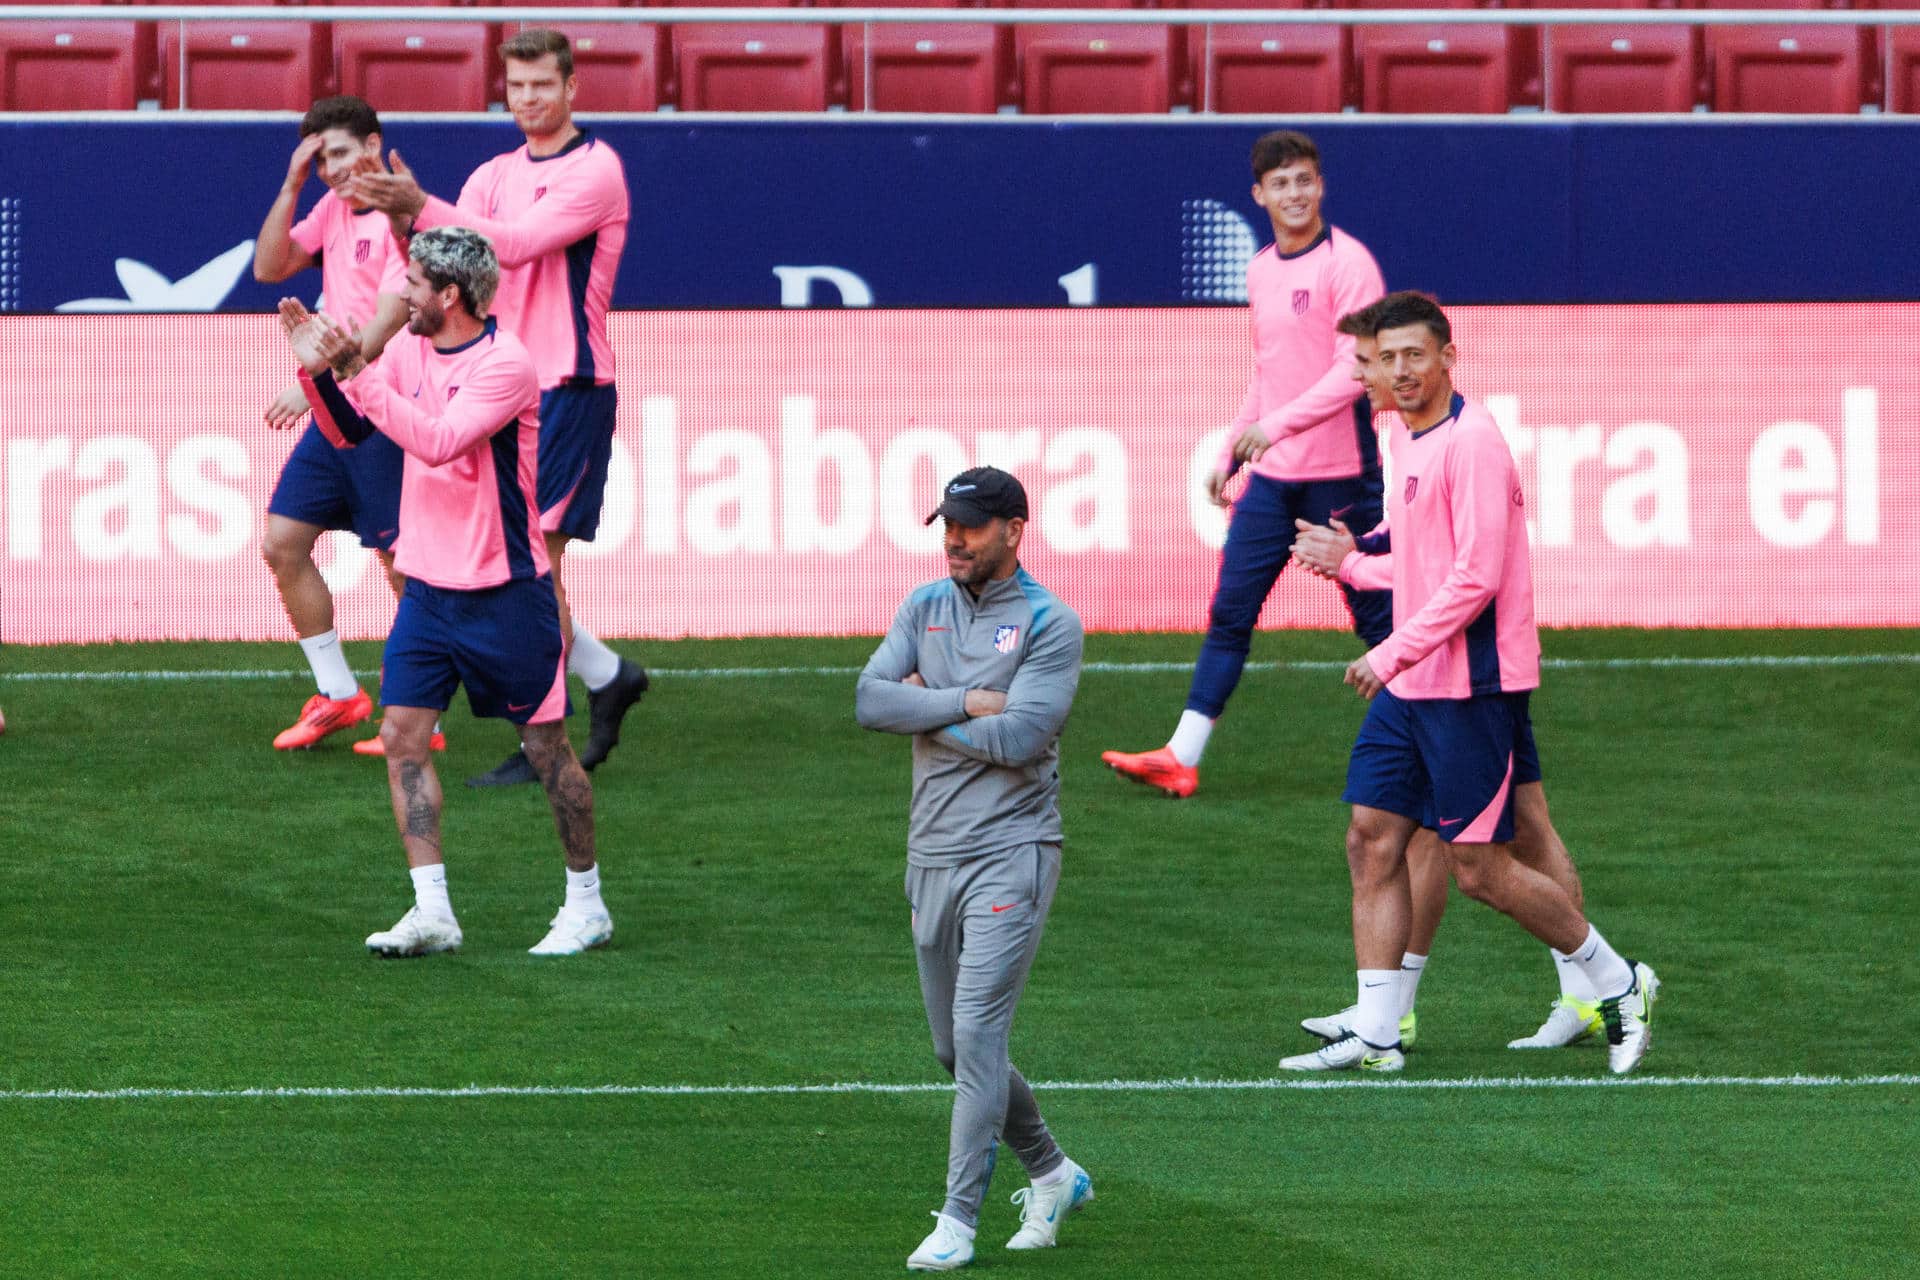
986 784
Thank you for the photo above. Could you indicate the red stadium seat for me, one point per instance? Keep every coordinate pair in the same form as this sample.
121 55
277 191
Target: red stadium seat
77 66
249 66
418 66
753 67
1052 4
1434 68
1270 70
932 66
1622 68
1903 69
1813 70
1090 68
622 66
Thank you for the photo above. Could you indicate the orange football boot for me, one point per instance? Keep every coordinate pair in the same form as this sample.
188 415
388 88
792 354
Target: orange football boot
1155 769
374 747
321 716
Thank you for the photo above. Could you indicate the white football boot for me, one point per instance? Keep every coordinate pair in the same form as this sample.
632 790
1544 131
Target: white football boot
572 932
1043 1206
1629 1021
1347 1053
416 934
1569 1021
948 1247
1335 1025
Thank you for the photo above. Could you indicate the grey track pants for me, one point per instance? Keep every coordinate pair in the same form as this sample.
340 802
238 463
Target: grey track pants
976 928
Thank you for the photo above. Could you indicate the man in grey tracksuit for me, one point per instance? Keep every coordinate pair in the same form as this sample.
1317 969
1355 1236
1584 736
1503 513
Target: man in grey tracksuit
981 669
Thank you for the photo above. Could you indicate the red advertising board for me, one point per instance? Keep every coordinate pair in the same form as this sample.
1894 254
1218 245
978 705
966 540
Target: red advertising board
1745 465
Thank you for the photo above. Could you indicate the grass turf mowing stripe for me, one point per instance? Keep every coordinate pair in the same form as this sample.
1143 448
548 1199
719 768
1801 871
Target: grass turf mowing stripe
865 1087
1105 668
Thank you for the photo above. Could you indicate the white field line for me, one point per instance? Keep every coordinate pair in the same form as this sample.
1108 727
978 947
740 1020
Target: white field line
1745 661
1313 1084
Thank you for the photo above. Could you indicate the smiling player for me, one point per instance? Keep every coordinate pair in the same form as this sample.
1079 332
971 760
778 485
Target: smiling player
1304 436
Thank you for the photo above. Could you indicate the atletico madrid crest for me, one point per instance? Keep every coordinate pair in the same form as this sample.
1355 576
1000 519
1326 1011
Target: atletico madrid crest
1413 487
1005 638
1302 298
361 248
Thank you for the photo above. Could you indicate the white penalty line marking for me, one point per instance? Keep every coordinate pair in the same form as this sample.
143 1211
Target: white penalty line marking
1755 661
1313 1084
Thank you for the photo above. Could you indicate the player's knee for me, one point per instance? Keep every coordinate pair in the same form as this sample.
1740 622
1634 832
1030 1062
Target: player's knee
1474 870
283 555
944 1055
1371 854
400 744
1230 625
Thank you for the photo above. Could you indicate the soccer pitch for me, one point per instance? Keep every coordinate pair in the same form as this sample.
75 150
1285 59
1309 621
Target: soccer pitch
202 1073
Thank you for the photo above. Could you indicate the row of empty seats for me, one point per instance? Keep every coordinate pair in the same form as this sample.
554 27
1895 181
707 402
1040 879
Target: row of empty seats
1085 68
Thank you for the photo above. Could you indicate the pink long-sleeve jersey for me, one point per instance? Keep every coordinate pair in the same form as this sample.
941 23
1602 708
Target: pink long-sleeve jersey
559 224
1461 575
469 421
359 258
1302 391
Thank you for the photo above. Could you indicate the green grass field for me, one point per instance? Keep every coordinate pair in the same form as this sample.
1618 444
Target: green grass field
185 910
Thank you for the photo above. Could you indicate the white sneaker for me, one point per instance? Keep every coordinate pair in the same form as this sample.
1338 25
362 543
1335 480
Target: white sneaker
416 934
1568 1022
1336 1025
947 1247
1347 1053
1044 1205
1629 1021
573 932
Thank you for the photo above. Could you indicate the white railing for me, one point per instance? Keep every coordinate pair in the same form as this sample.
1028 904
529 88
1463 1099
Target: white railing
1543 19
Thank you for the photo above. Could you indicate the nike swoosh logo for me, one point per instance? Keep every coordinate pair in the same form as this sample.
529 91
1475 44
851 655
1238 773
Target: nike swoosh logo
944 1256
522 707
1371 985
936 629
1373 1062
1008 907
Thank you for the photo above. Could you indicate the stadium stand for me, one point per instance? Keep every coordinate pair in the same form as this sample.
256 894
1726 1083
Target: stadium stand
1088 69
419 66
1434 68
749 67
1818 70
954 67
77 66
1271 69
935 66
1625 68
257 66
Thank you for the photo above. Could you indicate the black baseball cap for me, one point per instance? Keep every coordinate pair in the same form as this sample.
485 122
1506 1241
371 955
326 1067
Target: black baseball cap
981 494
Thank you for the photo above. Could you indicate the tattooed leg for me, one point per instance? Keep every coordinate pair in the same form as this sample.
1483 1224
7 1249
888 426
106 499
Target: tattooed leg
406 733
568 790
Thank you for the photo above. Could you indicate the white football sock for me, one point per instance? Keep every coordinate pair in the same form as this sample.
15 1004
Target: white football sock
1411 967
1573 983
592 661
583 891
1376 1017
430 890
1189 741
1603 966
330 673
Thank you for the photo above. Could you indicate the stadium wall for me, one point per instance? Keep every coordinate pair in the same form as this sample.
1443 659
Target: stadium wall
151 212
1726 465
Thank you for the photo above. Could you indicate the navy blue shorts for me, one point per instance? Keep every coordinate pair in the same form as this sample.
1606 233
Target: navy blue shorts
357 489
576 441
1450 764
502 643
